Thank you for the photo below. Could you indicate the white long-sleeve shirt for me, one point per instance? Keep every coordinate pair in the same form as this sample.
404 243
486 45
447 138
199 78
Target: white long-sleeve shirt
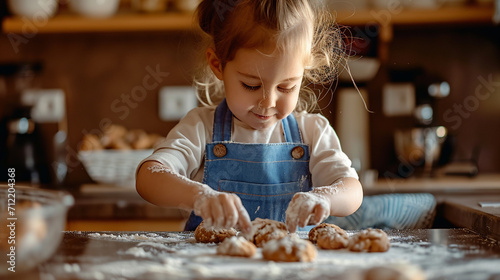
183 149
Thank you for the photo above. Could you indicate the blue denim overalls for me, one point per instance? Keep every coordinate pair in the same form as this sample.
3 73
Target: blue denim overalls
264 176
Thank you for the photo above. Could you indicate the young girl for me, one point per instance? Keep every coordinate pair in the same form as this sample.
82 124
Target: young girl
254 151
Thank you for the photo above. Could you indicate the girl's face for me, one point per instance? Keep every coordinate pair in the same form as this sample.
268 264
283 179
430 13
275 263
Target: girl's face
262 89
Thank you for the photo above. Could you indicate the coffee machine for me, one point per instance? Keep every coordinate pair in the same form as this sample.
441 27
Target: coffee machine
20 144
419 147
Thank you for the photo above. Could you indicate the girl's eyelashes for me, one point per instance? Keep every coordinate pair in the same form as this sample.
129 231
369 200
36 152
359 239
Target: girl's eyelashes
287 90
250 88
281 89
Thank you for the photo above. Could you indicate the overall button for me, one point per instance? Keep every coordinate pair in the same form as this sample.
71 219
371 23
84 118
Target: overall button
297 152
220 150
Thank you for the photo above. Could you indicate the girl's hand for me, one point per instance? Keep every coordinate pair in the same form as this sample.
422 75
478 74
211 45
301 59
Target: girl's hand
221 210
306 208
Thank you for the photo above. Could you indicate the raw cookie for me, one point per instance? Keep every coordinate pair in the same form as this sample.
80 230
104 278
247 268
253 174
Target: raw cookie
289 249
264 230
369 240
208 235
237 247
332 238
313 233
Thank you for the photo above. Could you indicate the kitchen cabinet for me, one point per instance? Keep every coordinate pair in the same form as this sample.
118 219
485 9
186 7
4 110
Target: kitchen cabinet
128 22
386 19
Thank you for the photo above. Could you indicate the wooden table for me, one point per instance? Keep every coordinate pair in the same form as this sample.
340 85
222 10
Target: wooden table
480 213
439 253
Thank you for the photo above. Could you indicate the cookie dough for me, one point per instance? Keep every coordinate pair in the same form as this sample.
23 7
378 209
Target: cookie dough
212 235
369 240
236 247
289 249
329 236
264 230
332 238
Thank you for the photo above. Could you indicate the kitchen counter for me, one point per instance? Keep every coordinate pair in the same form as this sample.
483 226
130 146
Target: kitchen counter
439 253
104 202
109 202
110 208
480 213
482 183
457 197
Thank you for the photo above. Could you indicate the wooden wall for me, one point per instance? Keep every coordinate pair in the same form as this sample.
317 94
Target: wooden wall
99 70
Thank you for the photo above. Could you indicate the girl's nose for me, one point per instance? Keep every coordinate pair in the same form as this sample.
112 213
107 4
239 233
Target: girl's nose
269 98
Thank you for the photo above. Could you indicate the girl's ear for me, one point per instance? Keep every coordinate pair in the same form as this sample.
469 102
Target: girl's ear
214 63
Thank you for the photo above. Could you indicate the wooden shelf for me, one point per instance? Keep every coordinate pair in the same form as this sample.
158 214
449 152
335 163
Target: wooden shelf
444 15
128 22
68 23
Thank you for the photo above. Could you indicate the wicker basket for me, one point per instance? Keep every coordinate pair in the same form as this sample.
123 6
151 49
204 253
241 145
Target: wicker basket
113 167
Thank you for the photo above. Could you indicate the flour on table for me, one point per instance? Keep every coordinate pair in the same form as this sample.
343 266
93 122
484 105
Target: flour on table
170 237
158 256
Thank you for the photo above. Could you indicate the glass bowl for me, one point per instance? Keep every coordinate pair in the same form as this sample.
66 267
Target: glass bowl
32 225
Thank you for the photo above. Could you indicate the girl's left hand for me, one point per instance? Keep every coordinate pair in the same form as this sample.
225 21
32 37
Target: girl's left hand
306 208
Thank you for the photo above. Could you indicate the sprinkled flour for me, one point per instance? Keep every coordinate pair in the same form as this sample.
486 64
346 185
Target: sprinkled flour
170 237
177 255
305 202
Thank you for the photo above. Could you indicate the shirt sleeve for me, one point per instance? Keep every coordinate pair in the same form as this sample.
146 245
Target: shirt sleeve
184 147
328 162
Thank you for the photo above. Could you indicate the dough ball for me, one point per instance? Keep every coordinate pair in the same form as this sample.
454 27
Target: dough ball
113 136
332 238
119 144
91 142
289 249
237 247
264 230
212 235
369 240
138 139
313 233
395 272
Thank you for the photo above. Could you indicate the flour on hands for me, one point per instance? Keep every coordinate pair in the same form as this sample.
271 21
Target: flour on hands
221 210
306 208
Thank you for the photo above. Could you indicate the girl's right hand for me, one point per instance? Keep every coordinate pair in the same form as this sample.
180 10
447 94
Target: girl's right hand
221 210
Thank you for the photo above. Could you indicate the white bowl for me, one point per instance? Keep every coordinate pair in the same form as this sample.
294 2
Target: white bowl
33 8
113 167
363 69
94 8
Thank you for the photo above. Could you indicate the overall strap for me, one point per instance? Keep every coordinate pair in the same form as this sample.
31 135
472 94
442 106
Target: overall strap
222 123
291 129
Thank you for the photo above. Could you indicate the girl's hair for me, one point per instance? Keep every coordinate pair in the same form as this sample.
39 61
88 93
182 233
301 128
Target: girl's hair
292 25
